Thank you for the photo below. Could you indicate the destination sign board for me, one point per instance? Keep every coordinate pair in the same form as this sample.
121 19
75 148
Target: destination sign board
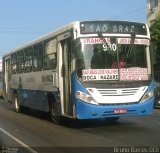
120 27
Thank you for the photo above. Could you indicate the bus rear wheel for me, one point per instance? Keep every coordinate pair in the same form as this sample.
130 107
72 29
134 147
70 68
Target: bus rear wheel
17 105
54 113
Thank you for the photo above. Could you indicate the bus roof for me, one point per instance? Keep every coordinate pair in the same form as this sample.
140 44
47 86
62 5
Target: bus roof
49 35
61 30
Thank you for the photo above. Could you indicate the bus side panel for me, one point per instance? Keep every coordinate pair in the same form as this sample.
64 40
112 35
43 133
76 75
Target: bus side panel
34 99
32 88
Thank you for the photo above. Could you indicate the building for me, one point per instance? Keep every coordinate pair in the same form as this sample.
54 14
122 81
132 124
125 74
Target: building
153 9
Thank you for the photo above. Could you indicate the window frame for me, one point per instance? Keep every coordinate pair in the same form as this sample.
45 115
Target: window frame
28 52
20 62
48 53
37 56
14 63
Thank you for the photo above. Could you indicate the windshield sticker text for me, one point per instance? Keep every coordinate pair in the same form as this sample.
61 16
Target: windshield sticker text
95 40
133 74
112 74
136 41
99 74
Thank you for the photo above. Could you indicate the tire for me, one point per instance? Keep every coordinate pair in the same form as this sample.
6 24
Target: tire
54 113
18 107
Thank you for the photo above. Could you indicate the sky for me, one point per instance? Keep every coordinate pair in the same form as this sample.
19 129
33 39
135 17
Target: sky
22 21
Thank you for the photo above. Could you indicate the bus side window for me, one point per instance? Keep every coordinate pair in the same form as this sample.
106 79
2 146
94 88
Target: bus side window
50 55
37 57
28 59
13 63
20 61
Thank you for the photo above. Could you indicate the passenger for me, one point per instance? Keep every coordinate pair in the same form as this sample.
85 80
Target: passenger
122 63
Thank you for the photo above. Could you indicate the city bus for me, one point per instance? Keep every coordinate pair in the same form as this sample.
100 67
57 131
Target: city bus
76 71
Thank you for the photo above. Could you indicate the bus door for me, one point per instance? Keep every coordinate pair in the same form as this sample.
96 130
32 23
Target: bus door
7 78
64 51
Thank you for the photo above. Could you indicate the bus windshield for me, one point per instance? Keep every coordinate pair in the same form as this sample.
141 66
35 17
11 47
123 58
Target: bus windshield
113 59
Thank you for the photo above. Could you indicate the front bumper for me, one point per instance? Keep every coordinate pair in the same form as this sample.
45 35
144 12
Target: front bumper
89 111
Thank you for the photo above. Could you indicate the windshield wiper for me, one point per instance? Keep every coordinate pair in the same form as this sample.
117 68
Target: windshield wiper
133 35
100 35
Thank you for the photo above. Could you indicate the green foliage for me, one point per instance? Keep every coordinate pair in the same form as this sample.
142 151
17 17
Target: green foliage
155 38
155 31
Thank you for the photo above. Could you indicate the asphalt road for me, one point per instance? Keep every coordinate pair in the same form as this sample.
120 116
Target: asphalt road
33 132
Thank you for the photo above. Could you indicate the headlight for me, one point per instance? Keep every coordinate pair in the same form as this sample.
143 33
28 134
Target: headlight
147 96
85 97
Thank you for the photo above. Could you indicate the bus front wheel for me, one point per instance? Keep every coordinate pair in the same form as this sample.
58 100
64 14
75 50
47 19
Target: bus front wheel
54 113
17 104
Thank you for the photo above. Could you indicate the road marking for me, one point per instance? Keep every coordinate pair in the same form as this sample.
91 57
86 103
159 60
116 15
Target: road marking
18 141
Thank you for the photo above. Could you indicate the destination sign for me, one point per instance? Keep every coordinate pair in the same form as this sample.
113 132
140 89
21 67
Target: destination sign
120 27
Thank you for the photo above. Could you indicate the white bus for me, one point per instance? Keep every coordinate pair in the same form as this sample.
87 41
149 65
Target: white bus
77 72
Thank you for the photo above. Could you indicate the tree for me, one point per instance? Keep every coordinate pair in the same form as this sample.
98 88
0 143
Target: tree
155 38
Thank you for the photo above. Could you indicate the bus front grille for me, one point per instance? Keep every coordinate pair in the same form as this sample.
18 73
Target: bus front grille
118 92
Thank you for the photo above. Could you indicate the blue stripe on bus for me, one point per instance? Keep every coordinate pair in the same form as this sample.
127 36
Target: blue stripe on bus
87 111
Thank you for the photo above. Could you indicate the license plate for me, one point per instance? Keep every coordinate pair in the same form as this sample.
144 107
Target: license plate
120 111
